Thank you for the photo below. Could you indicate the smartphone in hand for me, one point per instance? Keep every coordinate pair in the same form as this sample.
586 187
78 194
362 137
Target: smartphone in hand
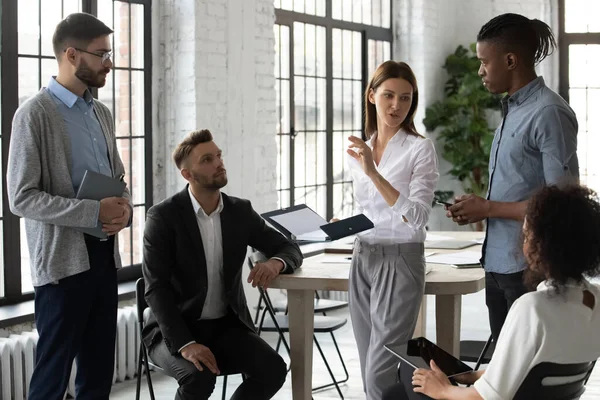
443 203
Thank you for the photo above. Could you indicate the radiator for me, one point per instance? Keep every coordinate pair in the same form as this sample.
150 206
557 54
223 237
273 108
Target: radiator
17 357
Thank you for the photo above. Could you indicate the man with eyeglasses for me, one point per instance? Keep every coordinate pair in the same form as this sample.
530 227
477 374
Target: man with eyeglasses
57 135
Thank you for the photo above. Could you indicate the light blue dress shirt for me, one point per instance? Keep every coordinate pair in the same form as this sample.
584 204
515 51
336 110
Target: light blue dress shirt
88 143
535 145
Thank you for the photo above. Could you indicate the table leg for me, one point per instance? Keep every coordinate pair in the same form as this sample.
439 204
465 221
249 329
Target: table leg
447 319
421 328
301 317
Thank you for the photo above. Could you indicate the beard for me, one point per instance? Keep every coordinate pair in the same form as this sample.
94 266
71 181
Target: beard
91 78
212 183
532 278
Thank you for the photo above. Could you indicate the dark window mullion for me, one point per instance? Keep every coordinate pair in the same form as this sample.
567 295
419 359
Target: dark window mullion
114 80
131 249
10 103
292 137
39 55
329 117
148 105
304 86
316 99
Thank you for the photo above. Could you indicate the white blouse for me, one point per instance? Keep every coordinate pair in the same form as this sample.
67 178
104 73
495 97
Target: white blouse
542 326
409 163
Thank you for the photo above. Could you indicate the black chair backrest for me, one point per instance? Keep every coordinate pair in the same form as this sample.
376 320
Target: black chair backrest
533 387
140 300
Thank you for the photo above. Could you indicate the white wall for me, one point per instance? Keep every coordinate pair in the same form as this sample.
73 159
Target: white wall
213 68
427 31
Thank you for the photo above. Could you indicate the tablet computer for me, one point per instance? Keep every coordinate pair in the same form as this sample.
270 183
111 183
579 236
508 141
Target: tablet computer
418 353
301 223
347 226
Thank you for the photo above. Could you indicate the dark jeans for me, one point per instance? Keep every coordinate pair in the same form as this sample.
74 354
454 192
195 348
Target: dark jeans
403 390
501 291
236 350
77 318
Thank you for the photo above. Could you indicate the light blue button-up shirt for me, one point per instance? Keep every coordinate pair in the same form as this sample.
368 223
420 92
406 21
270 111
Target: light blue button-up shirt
535 145
88 143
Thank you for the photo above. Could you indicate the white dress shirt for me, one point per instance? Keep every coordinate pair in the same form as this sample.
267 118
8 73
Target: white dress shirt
215 305
542 326
409 163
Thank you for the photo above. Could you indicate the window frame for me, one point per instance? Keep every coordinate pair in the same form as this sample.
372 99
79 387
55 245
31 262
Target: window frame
10 87
287 18
565 40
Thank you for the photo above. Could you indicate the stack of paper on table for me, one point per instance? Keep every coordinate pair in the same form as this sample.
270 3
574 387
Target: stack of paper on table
346 259
450 244
461 259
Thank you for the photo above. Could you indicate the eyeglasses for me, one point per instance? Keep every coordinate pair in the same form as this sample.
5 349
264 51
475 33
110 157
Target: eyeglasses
104 56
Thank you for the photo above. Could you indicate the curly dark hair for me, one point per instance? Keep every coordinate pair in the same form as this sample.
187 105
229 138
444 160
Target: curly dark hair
563 233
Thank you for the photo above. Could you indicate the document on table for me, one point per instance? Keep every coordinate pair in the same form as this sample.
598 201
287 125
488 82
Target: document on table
435 238
461 259
337 259
346 259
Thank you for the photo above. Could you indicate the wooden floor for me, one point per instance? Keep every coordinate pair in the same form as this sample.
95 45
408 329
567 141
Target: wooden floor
474 326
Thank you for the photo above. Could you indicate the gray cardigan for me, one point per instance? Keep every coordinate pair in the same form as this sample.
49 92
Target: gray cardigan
40 188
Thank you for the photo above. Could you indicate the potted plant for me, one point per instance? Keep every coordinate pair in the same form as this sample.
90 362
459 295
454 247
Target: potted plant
462 117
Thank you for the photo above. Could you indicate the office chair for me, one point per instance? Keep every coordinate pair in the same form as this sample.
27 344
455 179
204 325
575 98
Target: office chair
320 306
280 324
477 351
532 387
143 358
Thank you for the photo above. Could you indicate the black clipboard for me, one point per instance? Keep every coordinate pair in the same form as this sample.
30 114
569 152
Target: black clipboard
347 226
318 230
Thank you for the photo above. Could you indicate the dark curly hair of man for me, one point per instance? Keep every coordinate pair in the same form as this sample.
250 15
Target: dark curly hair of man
563 234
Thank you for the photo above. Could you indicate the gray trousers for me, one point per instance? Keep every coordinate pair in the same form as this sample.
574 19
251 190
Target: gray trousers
386 288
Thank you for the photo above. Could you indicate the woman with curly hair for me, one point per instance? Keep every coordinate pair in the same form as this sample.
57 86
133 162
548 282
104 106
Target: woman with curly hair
557 323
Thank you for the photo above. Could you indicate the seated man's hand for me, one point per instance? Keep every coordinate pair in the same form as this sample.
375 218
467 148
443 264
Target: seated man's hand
432 383
264 272
200 355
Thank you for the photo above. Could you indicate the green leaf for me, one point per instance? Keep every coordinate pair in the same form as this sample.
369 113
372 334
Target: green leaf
460 120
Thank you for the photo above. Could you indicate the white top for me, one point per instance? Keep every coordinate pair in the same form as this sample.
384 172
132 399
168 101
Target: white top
409 163
541 327
215 305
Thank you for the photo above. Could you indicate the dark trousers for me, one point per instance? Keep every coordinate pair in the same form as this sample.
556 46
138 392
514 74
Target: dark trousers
403 390
76 319
236 350
501 291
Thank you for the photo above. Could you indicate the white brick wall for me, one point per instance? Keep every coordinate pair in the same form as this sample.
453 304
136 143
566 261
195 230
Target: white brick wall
213 68
427 31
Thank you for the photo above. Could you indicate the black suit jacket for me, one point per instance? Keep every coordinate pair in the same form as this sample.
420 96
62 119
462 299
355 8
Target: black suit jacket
174 265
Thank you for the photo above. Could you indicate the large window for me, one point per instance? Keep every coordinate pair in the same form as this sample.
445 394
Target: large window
326 51
579 79
28 62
